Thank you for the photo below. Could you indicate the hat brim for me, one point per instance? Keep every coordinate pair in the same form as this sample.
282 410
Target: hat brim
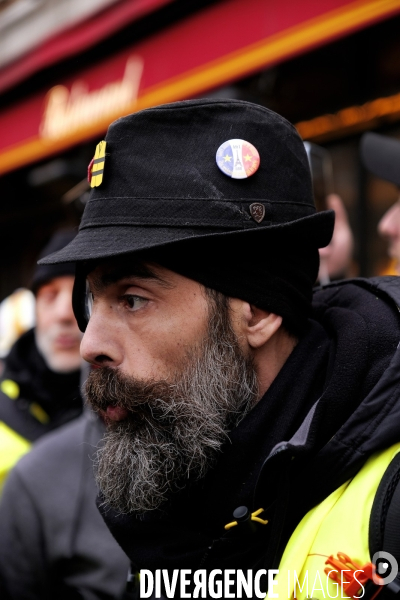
97 243
381 156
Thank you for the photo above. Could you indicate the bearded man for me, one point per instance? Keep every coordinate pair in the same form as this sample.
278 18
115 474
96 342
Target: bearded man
233 406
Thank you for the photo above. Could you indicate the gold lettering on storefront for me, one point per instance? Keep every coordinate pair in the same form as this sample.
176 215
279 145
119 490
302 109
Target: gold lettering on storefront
70 110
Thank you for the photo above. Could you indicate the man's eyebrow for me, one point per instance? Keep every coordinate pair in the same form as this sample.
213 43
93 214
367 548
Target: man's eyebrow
135 272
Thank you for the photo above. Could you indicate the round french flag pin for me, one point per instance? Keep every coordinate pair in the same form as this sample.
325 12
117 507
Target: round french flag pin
238 159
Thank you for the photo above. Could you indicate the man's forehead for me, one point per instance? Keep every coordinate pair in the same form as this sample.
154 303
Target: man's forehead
58 281
119 268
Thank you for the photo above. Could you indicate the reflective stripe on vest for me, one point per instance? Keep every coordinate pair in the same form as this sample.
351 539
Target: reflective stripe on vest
12 447
339 524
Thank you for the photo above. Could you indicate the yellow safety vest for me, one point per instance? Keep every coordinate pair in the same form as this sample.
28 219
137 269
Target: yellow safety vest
12 444
339 524
12 448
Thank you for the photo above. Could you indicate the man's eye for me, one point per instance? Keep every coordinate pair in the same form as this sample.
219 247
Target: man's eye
134 302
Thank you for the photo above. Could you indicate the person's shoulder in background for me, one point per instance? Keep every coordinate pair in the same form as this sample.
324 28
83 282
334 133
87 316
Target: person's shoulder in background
48 518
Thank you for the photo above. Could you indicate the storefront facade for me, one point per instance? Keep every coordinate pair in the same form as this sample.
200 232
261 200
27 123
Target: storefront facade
225 48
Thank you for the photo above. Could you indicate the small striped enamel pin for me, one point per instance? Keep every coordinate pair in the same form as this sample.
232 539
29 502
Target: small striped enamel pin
96 166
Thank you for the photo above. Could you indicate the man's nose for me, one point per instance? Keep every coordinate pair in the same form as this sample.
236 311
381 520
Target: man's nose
64 307
99 344
389 225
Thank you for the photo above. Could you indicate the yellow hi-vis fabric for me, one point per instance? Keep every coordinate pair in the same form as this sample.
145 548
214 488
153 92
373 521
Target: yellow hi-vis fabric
12 448
339 524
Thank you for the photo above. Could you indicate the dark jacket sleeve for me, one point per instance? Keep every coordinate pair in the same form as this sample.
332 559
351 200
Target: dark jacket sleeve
22 561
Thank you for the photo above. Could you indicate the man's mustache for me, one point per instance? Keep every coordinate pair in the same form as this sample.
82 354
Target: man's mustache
107 386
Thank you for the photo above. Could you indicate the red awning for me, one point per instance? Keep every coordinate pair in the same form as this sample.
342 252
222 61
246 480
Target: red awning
218 45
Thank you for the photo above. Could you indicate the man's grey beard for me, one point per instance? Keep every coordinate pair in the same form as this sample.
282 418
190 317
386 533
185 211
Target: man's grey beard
175 428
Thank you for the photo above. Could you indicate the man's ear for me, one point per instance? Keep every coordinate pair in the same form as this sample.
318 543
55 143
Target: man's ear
257 325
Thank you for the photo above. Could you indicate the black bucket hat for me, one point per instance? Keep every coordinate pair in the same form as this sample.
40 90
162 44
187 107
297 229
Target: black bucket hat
381 156
162 184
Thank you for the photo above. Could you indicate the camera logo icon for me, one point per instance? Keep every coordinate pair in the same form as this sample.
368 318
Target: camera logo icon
387 568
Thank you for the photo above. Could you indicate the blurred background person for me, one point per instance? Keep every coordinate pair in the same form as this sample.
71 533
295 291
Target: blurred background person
381 156
40 384
54 544
53 541
336 260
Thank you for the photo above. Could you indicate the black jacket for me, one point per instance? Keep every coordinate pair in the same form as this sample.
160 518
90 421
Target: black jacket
335 402
45 400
